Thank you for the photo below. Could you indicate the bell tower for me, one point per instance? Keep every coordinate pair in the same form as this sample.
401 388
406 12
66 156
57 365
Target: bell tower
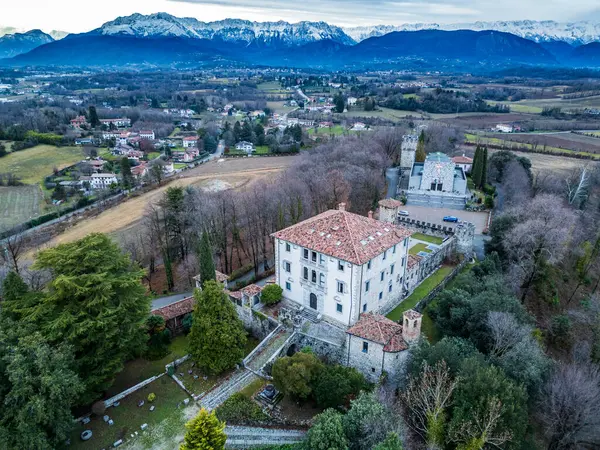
411 326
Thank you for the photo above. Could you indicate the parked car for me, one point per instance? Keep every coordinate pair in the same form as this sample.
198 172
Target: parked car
450 219
403 213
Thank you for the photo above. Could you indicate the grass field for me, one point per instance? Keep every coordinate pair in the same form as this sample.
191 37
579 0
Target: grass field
420 247
19 204
518 107
425 237
420 292
33 164
336 130
280 108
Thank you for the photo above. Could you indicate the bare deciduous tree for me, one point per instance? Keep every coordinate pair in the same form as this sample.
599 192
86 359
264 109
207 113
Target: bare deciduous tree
12 250
506 332
481 430
570 407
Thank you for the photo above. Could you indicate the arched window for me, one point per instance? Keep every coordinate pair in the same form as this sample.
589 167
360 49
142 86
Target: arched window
313 301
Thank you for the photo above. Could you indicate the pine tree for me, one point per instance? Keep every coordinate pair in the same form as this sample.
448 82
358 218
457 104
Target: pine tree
217 338
204 432
420 155
126 173
13 288
484 167
207 265
94 121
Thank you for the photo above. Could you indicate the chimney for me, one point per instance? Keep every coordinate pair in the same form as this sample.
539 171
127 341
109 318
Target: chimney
411 326
342 207
370 214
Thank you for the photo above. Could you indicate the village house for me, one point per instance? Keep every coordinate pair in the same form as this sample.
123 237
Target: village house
175 313
504 128
110 134
190 141
464 162
121 122
147 134
101 181
79 121
187 155
351 101
244 146
359 126
140 170
376 345
338 265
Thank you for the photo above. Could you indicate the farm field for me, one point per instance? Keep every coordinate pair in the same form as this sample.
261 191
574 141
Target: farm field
551 163
476 121
336 130
279 107
518 107
33 164
19 204
381 113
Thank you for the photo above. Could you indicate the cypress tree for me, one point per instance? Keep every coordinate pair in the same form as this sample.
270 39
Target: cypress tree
420 155
126 173
207 266
484 167
217 338
476 172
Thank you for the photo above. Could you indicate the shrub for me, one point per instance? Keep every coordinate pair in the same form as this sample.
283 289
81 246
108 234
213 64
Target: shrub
489 201
296 375
240 409
99 408
271 294
335 385
151 397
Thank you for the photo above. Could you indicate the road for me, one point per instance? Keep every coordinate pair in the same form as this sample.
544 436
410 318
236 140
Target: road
166 301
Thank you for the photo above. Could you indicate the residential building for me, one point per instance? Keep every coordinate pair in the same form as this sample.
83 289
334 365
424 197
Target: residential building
376 345
79 121
244 146
504 128
110 134
190 141
103 180
339 265
351 101
147 134
359 126
140 170
121 122
464 162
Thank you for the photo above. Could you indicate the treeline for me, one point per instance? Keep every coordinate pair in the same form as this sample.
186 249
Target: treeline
442 102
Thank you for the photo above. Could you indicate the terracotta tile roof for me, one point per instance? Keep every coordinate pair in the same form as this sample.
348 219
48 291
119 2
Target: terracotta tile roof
345 236
413 260
411 314
221 277
251 290
233 294
462 160
190 138
390 203
380 329
176 309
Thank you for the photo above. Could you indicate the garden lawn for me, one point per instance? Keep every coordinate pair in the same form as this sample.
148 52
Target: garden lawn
35 163
178 166
18 204
420 247
425 237
262 150
420 292
128 417
141 369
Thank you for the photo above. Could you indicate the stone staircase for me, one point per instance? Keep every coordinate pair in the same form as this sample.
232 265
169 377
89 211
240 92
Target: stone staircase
269 347
248 437
238 381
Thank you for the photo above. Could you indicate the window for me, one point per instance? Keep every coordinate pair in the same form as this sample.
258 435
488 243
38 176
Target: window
287 266
367 285
394 250
403 258
314 257
322 260
340 287
313 277
322 279
365 347
390 288
392 269
380 295
365 307
288 286
340 266
405 242
384 255
306 273
369 265
288 247
305 253
339 308
382 275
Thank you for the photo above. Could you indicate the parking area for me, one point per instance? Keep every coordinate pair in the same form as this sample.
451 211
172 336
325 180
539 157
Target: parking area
435 215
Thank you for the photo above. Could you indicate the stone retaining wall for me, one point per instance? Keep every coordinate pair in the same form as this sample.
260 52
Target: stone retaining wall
257 323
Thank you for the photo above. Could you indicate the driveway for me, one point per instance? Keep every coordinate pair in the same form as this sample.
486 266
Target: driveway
165 301
435 215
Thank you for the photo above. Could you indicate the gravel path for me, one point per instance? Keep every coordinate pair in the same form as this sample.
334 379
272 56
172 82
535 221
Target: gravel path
246 437
236 383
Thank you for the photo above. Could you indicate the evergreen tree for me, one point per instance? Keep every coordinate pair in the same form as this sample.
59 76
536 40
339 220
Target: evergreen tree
339 102
126 173
484 167
237 132
13 288
327 432
391 442
420 155
93 116
217 338
207 265
246 134
210 144
95 302
477 167
259 131
204 432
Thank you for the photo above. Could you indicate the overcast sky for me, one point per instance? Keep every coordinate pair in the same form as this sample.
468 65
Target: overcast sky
79 16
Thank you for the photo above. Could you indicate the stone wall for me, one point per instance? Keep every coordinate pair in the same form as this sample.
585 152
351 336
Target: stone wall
255 322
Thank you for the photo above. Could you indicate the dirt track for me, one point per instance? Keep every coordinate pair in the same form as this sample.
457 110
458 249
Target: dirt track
233 172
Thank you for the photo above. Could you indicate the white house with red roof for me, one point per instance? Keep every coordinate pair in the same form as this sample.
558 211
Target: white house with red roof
376 344
190 141
464 162
339 265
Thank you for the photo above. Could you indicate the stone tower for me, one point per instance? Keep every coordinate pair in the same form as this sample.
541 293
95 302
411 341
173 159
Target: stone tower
465 234
411 326
388 210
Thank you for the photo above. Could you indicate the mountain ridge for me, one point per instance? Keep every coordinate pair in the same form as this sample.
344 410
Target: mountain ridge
18 43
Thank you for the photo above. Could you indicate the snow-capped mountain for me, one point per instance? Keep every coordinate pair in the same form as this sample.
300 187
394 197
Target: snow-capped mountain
229 30
18 43
576 33
8 30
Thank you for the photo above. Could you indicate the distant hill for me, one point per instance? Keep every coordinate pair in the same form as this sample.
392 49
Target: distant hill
586 55
561 50
18 43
